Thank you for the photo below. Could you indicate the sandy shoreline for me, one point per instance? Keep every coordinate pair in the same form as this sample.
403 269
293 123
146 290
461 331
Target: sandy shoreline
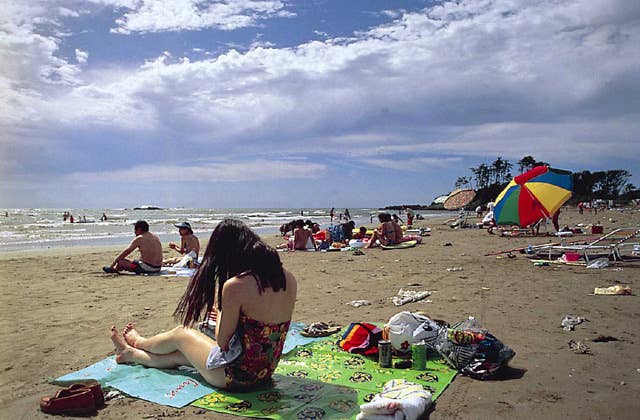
57 307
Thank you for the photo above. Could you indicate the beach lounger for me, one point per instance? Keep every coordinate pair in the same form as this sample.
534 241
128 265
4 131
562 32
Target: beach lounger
619 245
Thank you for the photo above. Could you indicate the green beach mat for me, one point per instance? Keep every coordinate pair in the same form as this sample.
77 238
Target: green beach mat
320 380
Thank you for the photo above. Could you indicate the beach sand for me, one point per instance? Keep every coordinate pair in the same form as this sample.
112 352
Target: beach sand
57 307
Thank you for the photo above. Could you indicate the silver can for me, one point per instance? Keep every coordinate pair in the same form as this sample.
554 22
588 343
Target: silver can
384 353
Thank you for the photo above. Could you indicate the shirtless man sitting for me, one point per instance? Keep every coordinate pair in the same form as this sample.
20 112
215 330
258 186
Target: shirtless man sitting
389 232
150 253
188 241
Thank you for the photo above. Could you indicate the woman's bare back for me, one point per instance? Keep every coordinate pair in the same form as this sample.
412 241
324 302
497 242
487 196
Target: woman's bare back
269 307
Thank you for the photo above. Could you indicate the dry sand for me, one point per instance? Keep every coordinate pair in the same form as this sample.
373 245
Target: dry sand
57 307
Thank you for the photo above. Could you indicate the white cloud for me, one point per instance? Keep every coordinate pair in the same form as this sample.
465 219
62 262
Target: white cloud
257 170
413 164
471 78
178 15
81 56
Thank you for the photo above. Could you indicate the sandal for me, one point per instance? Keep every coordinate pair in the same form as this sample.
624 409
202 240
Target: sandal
94 387
320 329
66 401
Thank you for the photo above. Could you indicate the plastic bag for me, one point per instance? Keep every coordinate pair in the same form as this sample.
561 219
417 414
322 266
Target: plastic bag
599 263
401 328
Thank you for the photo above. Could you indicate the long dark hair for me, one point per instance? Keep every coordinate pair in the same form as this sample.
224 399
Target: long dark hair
233 249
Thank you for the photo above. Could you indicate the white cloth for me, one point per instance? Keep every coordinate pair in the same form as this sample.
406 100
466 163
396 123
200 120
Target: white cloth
399 400
185 260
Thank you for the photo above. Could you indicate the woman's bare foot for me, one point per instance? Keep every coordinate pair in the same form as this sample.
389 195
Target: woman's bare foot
124 352
131 335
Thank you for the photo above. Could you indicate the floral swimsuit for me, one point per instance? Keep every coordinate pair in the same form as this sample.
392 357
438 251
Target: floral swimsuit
262 347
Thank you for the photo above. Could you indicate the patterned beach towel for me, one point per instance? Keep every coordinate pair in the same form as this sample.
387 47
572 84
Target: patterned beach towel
320 380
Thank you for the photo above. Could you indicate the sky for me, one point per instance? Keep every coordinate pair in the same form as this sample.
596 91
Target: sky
315 103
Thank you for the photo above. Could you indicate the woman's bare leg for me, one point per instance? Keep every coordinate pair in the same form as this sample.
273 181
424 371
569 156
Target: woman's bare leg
190 348
127 354
166 342
372 240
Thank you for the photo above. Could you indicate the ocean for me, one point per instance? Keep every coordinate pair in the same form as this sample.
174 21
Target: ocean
36 228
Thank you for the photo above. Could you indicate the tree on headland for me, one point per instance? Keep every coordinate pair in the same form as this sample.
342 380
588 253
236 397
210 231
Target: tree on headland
481 175
462 181
526 163
610 184
501 170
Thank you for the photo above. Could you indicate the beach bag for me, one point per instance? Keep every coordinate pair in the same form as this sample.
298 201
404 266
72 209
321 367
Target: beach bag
472 350
361 338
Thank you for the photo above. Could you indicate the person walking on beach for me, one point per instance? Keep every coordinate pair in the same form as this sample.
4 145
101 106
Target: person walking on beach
347 216
245 290
188 241
332 214
410 216
150 249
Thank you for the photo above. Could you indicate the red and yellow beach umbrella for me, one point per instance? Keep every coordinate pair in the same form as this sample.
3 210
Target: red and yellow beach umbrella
534 195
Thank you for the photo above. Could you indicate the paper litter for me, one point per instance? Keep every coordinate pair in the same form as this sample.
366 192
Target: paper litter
358 303
407 296
569 322
617 289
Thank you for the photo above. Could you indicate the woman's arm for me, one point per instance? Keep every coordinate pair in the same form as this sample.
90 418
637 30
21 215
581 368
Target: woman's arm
228 317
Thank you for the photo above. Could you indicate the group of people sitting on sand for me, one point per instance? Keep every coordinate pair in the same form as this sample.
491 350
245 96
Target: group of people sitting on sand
150 248
241 288
306 235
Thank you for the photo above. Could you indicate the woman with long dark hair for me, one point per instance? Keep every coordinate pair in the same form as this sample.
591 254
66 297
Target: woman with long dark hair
242 286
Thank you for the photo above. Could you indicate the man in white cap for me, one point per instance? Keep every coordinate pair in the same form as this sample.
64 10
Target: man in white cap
188 241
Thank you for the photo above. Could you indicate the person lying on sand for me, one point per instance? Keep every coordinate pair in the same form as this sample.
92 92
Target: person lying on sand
150 249
243 281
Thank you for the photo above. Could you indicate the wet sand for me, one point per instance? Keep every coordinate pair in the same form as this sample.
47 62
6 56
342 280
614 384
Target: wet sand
57 307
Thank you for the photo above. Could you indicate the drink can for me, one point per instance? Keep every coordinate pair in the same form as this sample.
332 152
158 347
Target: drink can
419 356
384 353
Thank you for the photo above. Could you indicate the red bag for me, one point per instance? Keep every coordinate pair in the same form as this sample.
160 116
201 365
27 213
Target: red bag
361 338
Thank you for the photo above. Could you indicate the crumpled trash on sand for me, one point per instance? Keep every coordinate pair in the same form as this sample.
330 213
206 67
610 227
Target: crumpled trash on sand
579 347
407 296
617 289
569 322
599 263
358 303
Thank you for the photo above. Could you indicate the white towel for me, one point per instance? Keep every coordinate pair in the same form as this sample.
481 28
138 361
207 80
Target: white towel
399 400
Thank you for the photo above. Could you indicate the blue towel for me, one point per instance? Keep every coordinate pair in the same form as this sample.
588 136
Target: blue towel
172 387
